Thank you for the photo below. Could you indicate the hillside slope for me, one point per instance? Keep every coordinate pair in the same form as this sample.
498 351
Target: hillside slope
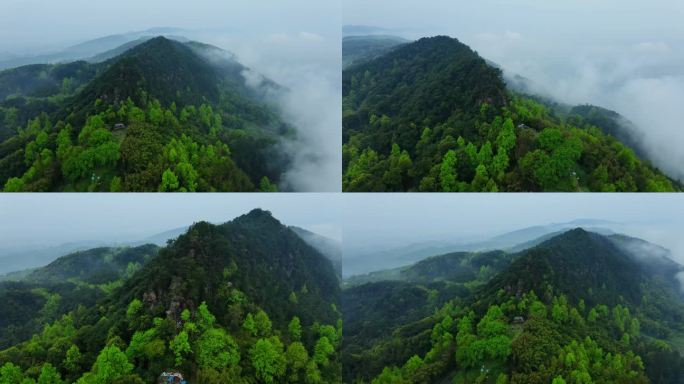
246 301
42 295
432 115
576 297
161 115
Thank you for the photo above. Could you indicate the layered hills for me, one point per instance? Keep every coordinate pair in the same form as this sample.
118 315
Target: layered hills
577 306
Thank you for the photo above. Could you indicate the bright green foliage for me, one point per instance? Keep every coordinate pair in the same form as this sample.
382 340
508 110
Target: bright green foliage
559 310
592 316
481 181
268 360
134 309
313 374
216 349
297 358
14 184
322 351
295 328
506 335
492 341
110 365
10 374
266 186
180 347
399 165
72 361
412 366
447 172
249 325
465 339
49 375
169 182
263 324
538 309
388 376
585 361
205 319
329 332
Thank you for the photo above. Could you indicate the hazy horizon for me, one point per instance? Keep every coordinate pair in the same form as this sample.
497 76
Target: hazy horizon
44 220
621 55
29 25
376 223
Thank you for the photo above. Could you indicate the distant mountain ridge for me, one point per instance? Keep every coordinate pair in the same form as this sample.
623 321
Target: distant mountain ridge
360 262
87 49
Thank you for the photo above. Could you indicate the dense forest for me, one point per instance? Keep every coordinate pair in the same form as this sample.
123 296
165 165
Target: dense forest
432 115
248 301
159 116
576 308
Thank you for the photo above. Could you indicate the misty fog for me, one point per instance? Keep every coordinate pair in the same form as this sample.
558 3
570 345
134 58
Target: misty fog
309 66
622 55
300 52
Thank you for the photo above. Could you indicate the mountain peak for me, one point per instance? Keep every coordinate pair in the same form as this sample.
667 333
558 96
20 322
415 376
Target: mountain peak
166 70
159 46
257 216
577 231
159 41
259 213
580 264
439 38
573 235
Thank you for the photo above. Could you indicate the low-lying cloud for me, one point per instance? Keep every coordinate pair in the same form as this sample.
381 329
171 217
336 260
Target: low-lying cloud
641 80
307 64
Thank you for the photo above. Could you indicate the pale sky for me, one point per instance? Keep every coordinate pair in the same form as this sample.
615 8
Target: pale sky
59 218
45 23
378 220
560 20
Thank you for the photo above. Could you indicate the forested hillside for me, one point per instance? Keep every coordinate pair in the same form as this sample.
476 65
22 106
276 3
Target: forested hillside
247 301
577 308
160 116
432 115
40 296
